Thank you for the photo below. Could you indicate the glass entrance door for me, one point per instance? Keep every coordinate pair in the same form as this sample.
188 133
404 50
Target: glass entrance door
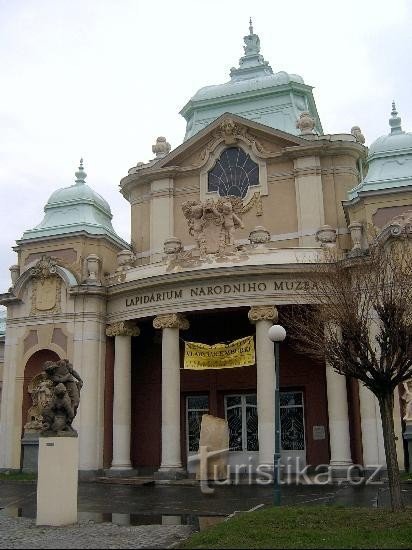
292 421
242 419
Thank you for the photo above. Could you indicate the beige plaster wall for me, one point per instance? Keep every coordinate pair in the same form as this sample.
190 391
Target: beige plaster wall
71 251
331 177
380 209
74 330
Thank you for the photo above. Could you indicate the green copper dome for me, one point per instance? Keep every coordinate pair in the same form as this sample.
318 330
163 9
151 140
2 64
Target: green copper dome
75 209
254 92
389 160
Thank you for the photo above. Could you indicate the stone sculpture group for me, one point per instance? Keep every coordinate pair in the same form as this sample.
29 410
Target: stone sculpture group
213 224
60 408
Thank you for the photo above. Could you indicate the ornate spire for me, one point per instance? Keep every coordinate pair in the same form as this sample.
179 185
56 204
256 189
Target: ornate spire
252 42
395 121
80 174
252 64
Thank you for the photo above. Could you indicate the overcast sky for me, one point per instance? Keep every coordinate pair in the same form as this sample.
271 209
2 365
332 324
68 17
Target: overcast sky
103 78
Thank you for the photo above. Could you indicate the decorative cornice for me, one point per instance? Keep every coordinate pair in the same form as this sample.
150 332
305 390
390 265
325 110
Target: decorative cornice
263 313
171 320
123 328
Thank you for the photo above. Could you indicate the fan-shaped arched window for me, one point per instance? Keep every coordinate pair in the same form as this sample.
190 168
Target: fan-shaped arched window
233 173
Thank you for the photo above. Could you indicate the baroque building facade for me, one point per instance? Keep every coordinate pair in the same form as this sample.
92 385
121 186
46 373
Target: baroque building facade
223 230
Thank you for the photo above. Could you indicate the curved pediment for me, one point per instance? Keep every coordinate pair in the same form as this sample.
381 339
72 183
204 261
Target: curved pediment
230 129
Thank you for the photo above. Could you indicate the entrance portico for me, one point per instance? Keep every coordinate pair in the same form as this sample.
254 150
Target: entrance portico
162 441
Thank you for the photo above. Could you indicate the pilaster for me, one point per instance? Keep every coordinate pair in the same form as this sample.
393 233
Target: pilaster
309 199
161 216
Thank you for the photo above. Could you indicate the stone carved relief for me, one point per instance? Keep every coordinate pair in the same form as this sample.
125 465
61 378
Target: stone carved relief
229 132
256 201
123 328
46 296
46 292
407 398
399 226
171 320
263 313
41 391
213 224
45 268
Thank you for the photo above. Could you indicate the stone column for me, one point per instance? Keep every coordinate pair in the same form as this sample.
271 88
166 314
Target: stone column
371 424
171 465
123 333
339 436
263 318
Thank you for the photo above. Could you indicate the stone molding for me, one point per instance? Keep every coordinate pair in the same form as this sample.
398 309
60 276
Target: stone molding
123 328
263 313
313 171
171 320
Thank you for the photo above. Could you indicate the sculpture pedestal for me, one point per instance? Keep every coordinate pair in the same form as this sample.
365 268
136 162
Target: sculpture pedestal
30 451
57 481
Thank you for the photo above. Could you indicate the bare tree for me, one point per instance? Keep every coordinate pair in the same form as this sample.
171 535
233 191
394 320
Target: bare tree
360 323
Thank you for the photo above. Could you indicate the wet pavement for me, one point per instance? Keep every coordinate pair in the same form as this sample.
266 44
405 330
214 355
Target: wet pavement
116 515
180 500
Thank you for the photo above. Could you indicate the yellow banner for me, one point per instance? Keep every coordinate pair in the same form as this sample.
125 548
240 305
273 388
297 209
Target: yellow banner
238 353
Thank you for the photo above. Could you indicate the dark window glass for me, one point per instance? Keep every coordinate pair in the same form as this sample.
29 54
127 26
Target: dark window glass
196 407
233 173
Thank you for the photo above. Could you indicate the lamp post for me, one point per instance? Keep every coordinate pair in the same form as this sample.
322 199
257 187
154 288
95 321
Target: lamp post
277 334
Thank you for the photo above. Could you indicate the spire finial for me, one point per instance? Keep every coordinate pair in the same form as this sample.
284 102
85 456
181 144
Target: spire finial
395 120
250 26
80 174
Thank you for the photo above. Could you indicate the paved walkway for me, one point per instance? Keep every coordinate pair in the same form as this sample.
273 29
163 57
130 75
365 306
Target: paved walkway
125 516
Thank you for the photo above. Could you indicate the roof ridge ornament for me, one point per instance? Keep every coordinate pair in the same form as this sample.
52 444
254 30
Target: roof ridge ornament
395 121
80 174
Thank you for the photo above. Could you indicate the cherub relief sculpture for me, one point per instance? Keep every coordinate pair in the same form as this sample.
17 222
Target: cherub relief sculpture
66 384
230 221
213 224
